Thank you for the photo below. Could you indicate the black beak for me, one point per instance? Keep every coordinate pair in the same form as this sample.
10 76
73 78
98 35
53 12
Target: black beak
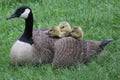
12 16
105 42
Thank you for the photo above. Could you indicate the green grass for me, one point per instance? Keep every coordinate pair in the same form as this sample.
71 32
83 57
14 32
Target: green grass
99 19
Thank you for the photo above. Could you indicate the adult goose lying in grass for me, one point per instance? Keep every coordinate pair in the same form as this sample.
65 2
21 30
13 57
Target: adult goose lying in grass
77 33
29 48
69 51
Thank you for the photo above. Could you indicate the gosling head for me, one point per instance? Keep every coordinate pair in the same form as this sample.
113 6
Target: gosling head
22 12
77 33
64 27
55 32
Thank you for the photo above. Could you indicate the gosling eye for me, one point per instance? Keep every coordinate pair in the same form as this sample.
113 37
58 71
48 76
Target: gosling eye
73 31
62 27
50 30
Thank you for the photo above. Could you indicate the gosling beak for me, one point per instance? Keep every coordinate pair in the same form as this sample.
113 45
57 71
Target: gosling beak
11 16
68 34
105 42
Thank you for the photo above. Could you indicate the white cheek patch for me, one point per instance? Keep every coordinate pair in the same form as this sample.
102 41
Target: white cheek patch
25 14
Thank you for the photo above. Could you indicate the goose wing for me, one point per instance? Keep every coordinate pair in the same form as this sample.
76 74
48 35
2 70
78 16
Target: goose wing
67 52
44 45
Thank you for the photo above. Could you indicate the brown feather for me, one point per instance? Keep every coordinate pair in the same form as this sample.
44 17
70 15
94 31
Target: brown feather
43 45
69 51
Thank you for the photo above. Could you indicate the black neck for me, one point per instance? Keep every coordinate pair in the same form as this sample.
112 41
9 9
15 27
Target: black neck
27 34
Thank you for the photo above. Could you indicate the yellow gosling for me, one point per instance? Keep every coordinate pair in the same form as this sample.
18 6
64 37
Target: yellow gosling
55 32
77 33
65 27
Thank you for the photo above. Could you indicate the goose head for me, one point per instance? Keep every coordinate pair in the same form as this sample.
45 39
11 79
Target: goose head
25 13
22 12
64 27
77 33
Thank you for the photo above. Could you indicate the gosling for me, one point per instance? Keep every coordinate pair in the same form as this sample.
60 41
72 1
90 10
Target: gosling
77 33
65 27
55 32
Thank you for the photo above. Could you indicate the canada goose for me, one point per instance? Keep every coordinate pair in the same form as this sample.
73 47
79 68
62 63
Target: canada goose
27 48
77 33
65 27
55 32
69 51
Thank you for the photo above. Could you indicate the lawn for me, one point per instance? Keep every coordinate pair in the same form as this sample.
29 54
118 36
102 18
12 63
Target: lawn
100 19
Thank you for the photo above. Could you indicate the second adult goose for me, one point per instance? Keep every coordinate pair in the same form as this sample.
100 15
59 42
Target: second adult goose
27 48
